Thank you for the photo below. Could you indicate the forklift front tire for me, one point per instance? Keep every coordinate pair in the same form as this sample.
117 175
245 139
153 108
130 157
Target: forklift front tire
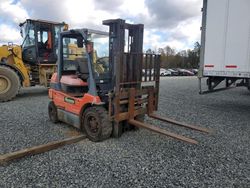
52 109
96 123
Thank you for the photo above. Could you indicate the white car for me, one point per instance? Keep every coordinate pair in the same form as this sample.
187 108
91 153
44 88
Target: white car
164 72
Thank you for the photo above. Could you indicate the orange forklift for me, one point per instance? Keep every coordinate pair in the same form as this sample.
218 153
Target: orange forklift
104 83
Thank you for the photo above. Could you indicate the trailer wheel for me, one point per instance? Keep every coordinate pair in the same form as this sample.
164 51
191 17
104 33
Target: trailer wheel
9 84
52 109
96 124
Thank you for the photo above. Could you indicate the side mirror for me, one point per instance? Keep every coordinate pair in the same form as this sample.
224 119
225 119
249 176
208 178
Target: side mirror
80 42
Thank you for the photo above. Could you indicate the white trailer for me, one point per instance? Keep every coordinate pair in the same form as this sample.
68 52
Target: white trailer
225 43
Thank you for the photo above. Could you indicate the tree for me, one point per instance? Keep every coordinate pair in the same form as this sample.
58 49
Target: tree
183 59
169 51
161 51
197 47
149 51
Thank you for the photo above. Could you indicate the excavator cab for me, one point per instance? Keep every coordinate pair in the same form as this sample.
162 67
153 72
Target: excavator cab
40 40
32 63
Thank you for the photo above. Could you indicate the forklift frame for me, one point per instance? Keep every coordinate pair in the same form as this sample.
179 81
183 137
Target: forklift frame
134 88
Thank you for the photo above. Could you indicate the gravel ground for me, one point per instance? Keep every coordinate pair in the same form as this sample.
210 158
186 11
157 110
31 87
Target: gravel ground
137 159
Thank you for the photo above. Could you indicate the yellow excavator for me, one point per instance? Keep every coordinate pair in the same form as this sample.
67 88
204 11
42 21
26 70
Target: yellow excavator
34 61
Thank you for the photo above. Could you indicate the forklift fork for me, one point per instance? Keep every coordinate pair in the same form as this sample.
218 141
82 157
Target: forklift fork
135 81
150 108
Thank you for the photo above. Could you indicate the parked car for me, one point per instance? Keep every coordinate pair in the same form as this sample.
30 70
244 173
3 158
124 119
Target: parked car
164 72
173 72
184 72
195 71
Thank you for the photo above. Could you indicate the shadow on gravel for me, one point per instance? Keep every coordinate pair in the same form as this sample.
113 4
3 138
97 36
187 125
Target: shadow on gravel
226 107
30 93
72 132
245 94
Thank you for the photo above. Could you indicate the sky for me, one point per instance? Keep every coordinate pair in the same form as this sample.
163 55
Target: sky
175 23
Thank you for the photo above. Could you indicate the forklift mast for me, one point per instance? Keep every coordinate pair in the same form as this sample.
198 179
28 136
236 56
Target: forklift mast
131 70
136 79
119 70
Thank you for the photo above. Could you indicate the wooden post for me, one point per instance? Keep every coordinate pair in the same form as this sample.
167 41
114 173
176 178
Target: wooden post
39 149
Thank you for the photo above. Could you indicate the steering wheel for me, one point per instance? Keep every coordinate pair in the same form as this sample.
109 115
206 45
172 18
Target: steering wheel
104 61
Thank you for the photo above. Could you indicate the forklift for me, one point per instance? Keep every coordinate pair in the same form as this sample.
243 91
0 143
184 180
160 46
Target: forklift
105 103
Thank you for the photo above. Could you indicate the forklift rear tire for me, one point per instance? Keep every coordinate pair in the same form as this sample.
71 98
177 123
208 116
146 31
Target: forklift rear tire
9 84
52 109
96 123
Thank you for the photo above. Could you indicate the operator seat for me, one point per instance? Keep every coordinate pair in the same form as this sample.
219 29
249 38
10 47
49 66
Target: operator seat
82 68
76 84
